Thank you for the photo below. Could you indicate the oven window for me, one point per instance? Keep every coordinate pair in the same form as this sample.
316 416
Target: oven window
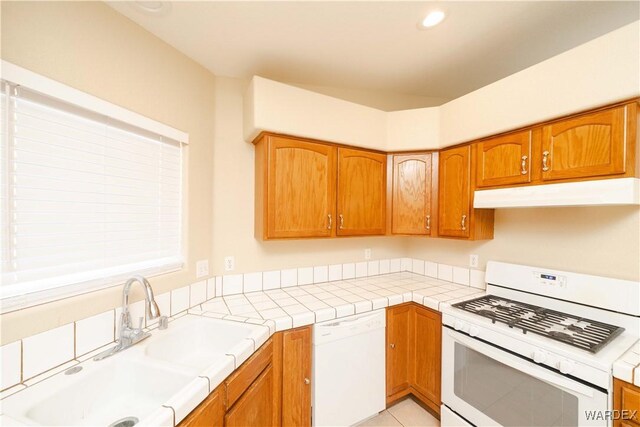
508 396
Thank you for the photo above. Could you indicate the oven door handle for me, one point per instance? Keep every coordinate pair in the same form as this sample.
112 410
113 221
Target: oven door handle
521 365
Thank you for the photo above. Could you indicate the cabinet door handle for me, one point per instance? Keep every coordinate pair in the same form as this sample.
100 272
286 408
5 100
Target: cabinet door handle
392 345
545 161
523 166
428 222
464 222
341 222
307 381
330 222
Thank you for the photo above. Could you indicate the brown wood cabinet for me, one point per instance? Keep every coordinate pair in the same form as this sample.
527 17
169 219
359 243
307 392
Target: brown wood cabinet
456 215
505 160
594 145
626 400
296 188
209 413
256 406
414 343
585 146
426 355
362 190
412 189
398 347
296 377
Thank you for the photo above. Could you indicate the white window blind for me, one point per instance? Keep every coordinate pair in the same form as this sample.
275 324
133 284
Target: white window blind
85 200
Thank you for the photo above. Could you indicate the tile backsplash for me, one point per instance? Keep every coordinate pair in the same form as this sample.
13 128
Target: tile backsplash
45 353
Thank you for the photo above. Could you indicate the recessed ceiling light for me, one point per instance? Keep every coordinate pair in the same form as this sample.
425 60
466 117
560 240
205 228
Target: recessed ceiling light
152 7
432 19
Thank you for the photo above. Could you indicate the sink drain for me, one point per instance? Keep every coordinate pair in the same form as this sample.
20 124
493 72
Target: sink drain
125 422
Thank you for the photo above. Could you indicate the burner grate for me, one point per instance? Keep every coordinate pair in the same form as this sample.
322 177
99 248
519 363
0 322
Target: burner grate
577 331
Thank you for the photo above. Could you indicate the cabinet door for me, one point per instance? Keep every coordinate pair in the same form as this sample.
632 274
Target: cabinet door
504 160
411 203
585 146
301 188
427 345
398 361
256 406
626 399
296 377
209 413
362 186
454 192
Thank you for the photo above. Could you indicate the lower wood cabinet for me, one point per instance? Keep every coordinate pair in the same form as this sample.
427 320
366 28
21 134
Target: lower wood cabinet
209 413
296 377
414 343
256 406
271 388
398 347
626 400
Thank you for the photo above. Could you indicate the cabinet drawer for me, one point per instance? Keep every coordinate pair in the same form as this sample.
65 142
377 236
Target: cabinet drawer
240 380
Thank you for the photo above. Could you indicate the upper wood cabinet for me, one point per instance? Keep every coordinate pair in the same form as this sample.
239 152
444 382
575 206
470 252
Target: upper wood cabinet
454 192
362 188
296 377
584 146
411 206
504 160
296 188
456 215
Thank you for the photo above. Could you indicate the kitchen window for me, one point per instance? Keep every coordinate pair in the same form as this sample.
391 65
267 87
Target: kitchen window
86 198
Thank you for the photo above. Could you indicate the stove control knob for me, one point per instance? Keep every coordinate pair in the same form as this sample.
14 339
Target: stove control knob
539 356
566 366
474 331
458 325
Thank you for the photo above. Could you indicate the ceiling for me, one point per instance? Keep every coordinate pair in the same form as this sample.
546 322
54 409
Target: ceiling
376 46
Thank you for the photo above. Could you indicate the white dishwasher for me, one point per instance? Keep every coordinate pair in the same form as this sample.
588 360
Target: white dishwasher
348 369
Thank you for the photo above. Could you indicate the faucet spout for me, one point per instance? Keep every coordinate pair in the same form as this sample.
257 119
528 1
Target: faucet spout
151 307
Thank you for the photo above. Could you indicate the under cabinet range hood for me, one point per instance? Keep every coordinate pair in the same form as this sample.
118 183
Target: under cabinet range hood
605 192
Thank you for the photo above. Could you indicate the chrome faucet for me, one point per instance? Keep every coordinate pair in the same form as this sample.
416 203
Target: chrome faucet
128 334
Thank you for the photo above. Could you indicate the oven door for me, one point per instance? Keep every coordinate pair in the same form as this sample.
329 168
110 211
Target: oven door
489 386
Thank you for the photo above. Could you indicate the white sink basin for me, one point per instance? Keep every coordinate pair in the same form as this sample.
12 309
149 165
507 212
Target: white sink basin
197 342
102 393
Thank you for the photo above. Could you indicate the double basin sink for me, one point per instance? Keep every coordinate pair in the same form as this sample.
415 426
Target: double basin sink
127 388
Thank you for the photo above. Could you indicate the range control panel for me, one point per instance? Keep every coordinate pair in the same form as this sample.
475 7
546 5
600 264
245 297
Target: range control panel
551 280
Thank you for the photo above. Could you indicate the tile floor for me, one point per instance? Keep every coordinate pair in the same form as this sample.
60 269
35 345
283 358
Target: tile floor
406 413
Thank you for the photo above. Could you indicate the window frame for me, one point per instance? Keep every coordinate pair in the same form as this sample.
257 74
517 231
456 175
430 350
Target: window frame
19 76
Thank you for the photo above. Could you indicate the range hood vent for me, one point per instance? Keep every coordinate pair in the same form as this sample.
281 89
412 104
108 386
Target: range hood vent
605 192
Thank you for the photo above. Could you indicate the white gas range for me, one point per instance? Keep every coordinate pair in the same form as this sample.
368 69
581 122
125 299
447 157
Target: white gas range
538 349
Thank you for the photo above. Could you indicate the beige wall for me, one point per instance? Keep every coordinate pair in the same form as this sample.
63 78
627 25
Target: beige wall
233 190
89 46
593 240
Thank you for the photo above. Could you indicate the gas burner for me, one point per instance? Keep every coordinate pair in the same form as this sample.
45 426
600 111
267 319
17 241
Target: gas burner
579 332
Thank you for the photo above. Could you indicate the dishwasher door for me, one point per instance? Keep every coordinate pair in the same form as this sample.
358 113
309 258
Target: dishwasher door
348 369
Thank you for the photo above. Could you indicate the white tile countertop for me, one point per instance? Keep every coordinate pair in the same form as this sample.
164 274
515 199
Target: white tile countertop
627 368
308 304
276 310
